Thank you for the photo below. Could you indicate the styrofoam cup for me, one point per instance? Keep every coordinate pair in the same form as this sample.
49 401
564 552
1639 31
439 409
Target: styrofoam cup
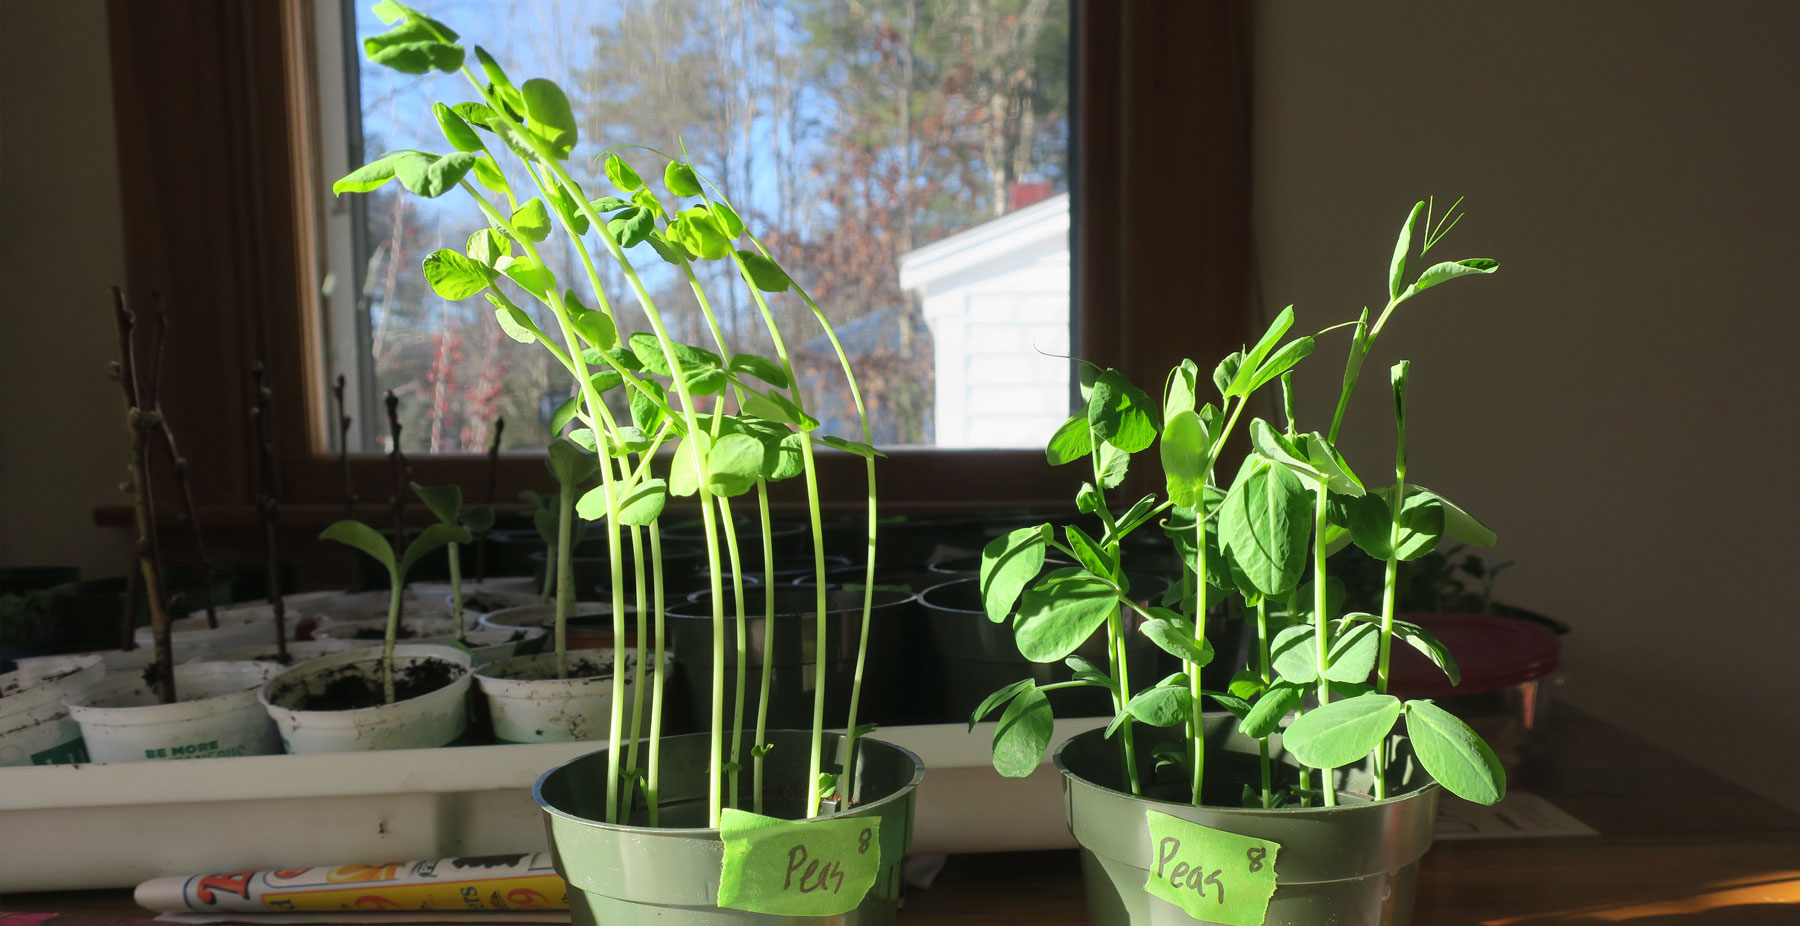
217 714
434 719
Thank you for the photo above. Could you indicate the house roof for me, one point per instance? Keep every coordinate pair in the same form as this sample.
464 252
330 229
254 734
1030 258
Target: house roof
986 242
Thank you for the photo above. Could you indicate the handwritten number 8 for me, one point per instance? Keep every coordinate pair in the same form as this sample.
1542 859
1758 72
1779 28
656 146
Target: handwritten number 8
1256 855
862 847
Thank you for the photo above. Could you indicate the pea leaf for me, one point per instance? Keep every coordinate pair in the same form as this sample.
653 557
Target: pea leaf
565 412
478 518
455 277
594 327
486 246
1072 441
1342 732
1420 639
998 698
1276 448
1329 464
680 179
786 460
777 407
695 230
1264 526
1184 454
531 276
760 367
1454 754
1120 413
1284 359
763 273
728 219
851 446
1175 634
412 47
1450 270
362 537
1023 734
373 175
632 226
1253 358
432 176
1089 553
1181 393
1226 372
1054 622
1086 671
1403 247
649 351
1353 653
513 319
1162 706
1007 564
550 117
621 175
734 464
488 174
476 114
532 220
1294 656
684 476
456 131
1458 524
1113 465
1246 684
1266 715
609 204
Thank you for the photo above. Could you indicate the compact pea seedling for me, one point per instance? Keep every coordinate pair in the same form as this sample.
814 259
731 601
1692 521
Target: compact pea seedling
1263 538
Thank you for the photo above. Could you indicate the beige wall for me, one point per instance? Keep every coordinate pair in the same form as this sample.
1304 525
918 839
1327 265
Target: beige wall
1619 402
61 440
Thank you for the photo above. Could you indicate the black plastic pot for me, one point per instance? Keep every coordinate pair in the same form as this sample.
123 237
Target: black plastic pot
791 661
901 541
1357 862
635 874
978 656
87 613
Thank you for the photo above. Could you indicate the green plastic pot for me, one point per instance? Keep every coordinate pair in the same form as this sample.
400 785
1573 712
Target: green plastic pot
635 874
1356 863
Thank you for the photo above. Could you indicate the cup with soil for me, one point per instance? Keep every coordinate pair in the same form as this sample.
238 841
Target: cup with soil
335 703
484 644
35 728
531 703
216 714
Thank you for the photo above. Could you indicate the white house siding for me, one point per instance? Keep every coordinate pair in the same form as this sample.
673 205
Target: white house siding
996 299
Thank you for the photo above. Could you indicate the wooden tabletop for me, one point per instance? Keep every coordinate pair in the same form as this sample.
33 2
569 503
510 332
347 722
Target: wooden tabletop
1676 846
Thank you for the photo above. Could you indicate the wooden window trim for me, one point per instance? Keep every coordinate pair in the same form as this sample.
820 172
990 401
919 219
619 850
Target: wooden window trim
211 100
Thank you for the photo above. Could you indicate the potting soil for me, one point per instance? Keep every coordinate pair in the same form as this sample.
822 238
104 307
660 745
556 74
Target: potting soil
352 690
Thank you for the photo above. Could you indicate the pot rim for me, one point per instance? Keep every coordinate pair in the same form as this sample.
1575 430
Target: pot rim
372 654
900 793
1071 776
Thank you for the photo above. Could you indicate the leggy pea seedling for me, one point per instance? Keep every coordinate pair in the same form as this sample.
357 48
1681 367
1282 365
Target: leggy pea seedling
1264 536
738 421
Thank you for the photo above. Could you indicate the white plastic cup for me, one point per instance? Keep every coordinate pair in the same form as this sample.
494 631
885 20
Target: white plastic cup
434 719
299 651
35 727
217 715
428 627
190 634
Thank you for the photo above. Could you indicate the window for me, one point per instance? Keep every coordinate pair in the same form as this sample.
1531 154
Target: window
908 160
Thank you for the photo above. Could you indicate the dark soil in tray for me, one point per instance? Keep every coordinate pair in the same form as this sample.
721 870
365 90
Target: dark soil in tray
351 689
380 633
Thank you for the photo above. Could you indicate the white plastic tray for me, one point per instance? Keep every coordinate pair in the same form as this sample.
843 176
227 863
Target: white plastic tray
77 827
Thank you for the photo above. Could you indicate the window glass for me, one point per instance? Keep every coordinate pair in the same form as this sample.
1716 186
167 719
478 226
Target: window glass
906 160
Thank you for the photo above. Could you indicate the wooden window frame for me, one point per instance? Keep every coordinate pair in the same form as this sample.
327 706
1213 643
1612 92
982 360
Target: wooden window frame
213 100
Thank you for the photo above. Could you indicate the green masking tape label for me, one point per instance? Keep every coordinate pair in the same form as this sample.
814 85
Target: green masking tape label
1215 876
797 867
